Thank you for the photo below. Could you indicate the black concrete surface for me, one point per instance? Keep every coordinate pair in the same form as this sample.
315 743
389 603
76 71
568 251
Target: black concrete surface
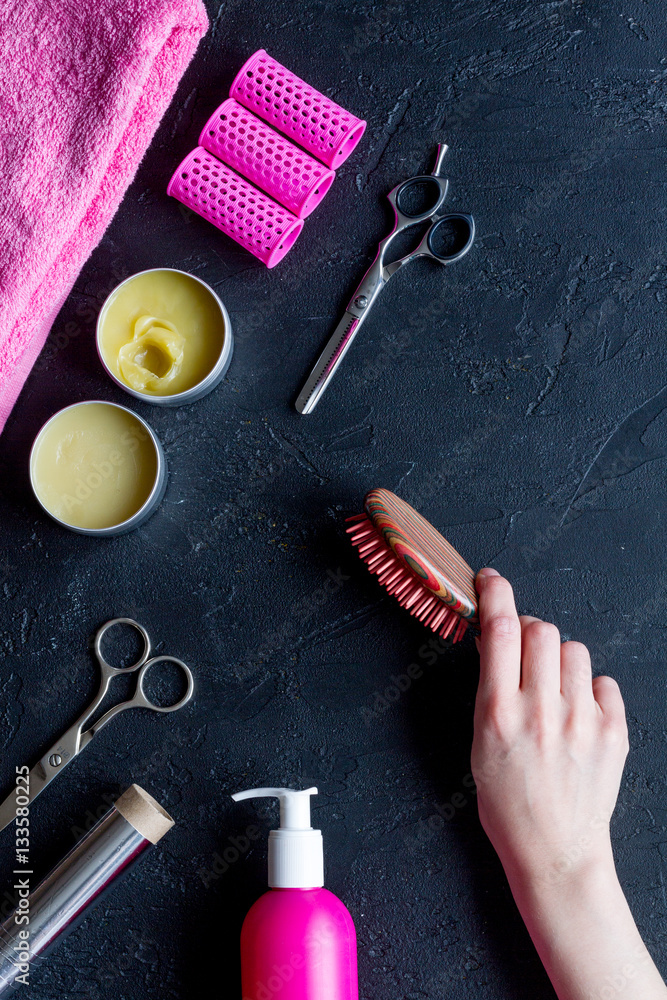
518 399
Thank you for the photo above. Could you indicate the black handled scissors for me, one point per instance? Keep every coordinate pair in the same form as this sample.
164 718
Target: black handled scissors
433 188
72 742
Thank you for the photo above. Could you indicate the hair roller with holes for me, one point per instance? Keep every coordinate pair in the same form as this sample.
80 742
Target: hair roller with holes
214 191
247 144
295 108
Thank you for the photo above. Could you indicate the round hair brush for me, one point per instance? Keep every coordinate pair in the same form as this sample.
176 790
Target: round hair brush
415 564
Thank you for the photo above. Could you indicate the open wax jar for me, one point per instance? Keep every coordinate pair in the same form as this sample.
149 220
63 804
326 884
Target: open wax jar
165 337
97 468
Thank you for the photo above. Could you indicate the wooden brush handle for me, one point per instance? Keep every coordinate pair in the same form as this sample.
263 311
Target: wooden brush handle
425 552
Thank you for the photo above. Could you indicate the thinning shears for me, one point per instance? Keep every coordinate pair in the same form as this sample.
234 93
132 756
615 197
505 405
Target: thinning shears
434 190
72 742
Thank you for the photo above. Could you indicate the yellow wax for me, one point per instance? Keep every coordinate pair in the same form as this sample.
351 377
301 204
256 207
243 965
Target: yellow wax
93 465
161 332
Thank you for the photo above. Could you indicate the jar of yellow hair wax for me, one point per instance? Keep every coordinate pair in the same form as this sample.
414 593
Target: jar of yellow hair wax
98 468
165 337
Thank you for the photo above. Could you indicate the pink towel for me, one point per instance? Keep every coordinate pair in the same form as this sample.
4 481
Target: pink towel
83 86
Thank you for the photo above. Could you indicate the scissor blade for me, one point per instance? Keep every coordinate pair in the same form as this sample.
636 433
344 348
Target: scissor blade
38 780
327 363
45 770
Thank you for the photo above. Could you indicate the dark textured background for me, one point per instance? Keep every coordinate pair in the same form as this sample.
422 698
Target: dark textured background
518 399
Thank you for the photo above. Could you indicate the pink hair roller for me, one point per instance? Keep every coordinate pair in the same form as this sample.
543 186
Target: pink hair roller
211 189
270 161
280 97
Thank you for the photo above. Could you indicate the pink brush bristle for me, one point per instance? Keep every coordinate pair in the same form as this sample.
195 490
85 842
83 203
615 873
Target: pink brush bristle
415 564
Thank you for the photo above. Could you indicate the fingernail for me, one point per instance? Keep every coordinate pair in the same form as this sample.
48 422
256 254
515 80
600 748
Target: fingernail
488 571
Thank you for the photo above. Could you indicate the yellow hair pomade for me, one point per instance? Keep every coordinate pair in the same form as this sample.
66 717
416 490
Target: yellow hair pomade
164 335
97 468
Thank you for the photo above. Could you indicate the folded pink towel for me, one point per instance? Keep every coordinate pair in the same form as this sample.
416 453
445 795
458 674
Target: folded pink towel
83 86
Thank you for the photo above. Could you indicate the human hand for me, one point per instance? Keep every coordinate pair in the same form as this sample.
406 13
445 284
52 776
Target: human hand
548 752
549 746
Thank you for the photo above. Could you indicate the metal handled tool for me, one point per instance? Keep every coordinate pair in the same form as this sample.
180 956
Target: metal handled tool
434 188
72 742
80 881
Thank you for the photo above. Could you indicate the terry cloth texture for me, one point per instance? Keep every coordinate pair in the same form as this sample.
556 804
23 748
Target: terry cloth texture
83 87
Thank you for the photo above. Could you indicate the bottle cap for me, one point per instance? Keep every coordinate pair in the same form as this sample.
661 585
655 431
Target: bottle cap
296 856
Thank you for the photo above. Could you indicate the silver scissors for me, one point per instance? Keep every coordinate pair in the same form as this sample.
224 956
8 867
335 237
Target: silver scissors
434 186
72 742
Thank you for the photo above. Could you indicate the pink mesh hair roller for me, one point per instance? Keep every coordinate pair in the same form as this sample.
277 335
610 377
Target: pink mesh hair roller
211 189
268 159
314 121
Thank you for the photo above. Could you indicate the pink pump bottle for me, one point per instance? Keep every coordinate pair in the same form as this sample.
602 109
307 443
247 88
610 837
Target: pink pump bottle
298 940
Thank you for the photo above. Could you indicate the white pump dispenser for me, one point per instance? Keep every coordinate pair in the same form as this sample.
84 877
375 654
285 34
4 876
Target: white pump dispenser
296 856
